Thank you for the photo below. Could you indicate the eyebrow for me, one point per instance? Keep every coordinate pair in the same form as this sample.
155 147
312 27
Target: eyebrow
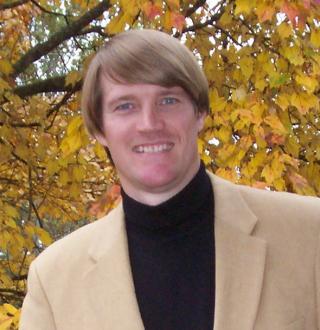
130 97
126 97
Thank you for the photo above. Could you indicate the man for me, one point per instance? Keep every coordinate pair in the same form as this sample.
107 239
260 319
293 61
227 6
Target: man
185 249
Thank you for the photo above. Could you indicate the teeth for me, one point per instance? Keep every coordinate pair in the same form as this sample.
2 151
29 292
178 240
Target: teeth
154 148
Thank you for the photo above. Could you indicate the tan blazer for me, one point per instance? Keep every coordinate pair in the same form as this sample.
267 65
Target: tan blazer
267 269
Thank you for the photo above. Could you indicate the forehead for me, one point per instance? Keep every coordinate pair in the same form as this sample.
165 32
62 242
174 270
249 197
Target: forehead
112 89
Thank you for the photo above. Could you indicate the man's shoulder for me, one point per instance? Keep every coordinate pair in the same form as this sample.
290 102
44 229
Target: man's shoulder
281 206
265 193
77 244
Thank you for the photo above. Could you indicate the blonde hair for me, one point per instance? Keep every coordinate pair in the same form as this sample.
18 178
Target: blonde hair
142 56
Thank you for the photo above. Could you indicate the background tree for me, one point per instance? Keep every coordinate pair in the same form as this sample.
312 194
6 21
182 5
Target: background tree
262 62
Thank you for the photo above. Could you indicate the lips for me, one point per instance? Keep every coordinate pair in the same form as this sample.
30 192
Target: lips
153 148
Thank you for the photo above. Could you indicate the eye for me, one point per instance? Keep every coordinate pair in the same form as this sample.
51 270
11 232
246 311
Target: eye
124 106
169 100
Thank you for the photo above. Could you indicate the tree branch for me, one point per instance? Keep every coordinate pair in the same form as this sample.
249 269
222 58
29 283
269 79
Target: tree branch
48 11
55 84
210 21
94 29
21 124
12 291
57 38
13 4
193 9
57 106
37 215
228 35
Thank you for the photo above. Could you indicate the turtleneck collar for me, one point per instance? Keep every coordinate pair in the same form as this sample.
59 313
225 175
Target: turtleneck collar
179 209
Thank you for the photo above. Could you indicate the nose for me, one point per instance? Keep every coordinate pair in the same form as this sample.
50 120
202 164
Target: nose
150 119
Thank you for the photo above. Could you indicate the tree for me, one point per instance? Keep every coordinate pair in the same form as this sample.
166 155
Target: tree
262 62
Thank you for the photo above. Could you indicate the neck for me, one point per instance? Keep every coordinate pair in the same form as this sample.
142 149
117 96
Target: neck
153 197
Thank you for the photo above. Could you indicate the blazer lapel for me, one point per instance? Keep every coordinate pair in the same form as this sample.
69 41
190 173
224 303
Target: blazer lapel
109 280
240 259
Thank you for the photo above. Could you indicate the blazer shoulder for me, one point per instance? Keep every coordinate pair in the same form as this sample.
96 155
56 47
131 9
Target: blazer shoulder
77 244
280 206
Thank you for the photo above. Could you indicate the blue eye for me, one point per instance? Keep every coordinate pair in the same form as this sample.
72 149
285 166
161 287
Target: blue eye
169 101
124 106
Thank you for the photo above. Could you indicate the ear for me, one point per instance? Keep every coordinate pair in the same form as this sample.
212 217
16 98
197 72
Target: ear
201 119
101 138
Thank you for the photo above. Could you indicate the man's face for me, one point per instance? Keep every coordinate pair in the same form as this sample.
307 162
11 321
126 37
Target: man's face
151 132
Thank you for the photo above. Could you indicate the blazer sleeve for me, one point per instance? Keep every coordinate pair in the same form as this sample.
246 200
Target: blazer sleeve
36 312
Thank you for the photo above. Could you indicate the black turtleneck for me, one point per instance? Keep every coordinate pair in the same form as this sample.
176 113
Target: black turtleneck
171 249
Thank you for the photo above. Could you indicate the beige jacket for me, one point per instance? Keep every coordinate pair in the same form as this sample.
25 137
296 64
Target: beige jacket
267 269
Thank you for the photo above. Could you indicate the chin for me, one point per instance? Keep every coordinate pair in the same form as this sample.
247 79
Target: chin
157 180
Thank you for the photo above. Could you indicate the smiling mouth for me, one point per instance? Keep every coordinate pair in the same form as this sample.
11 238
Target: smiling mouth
154 148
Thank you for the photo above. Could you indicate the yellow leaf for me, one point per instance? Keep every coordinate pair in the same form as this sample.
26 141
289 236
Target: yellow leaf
283 101
118 23
304 102
284 30
99 151
260 84
239 95
75 190
167 21
11 223
71 144
244 6
309 83
315 38
274 122
201 145
208 122
115 25
223 134
73 139
78 173
130 6
5 239
287 159
173 4
260 135
264 12
22 151
293 54
11 211
278 79
3 85
255 162
279 184
206 159
5 67
292 146
72 78
5 153
43 235
74 125
300 184
52 167
246 66
268 174
64 177
10 309
226 19
217 103
227 174
5 322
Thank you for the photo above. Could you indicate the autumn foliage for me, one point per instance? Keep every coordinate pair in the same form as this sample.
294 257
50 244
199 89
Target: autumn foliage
262 61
